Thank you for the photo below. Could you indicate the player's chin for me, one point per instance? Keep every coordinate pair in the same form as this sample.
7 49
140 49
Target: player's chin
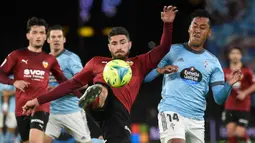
120 56
38 46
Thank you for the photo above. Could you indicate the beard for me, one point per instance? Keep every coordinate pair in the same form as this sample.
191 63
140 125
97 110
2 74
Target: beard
37 46
120 55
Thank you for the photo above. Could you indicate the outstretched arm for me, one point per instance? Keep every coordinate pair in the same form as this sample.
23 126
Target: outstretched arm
80 79
153 57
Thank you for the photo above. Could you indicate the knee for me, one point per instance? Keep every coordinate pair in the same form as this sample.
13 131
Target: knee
231 133
240 131
231 130
34 140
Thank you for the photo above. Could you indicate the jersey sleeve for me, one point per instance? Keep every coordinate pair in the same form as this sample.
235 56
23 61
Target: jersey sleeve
217 76
250 76
9 63
151 59
153 74
57 72
86 74
74 64
7 67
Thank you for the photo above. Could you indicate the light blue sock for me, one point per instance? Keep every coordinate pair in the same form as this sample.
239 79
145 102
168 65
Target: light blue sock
18 139
1 137
9 137
95 140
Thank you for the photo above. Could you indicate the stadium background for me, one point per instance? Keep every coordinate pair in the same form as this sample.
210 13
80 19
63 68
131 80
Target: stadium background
233 24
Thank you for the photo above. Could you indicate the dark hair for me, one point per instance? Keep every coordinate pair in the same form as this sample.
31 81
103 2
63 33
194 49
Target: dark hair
55 27
118 31
34 21
235 48
202 13
227 52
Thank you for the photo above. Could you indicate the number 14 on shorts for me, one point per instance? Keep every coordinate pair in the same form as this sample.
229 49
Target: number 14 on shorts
167 120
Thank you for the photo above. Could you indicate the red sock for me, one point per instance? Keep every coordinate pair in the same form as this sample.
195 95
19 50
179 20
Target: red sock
246 137
232 140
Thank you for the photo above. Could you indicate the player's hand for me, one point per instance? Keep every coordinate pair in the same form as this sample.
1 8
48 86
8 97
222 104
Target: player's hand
167 69
168 13
30 106
234 77
241 95
21 85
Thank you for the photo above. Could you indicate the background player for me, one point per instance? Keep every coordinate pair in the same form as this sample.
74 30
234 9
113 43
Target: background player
31 68
65 112
8 93
181 109
115 112
237 106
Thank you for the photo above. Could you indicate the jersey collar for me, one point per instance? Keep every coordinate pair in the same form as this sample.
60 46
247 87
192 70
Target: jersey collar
186 46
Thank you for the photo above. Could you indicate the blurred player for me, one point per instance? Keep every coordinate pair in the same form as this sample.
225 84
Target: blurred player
1 114
31 68
237 106
181 109
114 104
65 112
8 93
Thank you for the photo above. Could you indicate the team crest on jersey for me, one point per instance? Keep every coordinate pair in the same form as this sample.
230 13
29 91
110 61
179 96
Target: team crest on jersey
191 75
205 64
130 63
45 64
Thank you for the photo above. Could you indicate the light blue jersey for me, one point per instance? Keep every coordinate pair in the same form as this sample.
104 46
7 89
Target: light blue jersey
185 91
70 64
1 96
11 98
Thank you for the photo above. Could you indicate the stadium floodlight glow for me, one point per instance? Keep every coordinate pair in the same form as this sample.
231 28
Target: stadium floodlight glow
86 31
106 30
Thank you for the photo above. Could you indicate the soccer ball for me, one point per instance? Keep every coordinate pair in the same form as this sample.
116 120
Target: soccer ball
117 73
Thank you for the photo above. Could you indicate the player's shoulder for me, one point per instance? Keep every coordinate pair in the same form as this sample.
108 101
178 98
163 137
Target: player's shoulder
99 58
226 69
19 51
247 70
177 46
211 56
70 54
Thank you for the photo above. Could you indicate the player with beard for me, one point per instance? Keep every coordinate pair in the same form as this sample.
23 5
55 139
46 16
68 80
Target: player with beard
181 109
112 105
237 106
31 68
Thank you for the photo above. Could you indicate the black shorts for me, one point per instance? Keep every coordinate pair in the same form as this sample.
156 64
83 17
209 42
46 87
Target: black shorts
114 120
25 123
241 118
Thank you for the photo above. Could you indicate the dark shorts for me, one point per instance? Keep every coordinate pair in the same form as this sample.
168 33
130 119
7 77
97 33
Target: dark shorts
241 118
25 123
114 120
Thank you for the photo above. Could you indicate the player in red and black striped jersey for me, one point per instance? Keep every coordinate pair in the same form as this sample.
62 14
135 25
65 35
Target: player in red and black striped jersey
237 106
31 68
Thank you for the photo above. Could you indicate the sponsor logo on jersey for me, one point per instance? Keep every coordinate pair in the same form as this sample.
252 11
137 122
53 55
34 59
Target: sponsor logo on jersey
34 74
24 61
130 63
191 75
